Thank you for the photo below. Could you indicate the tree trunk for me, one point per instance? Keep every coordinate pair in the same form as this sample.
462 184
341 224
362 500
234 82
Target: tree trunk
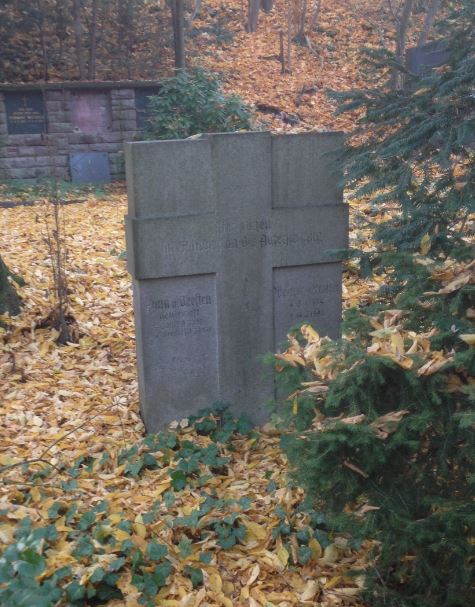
9 300
401 31
78 38
402 27
302 21
41 28
428 21
289 39
316 14
93 41
252 15
178 33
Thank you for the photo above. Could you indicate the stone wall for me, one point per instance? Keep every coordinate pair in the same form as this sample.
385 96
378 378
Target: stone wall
78 118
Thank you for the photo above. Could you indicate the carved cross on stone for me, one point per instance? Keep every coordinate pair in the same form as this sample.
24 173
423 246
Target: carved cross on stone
226 242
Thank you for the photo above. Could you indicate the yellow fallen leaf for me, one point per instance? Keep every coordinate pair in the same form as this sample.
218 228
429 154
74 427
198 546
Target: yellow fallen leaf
254 531
215 582
310 590
330 554
283 555
425 244
468 338
315 548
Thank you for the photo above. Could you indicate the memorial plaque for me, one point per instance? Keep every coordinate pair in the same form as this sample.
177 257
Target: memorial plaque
226 241
142 100
91 111
89 167
25 113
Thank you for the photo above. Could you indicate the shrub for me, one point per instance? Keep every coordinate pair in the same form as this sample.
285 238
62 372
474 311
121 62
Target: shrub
390 438
191 103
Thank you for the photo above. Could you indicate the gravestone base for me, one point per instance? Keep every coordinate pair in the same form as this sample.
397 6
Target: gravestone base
226 242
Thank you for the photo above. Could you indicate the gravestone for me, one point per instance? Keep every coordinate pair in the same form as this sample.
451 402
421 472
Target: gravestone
421 59
89 167
25 113
226 242
91 111
142 106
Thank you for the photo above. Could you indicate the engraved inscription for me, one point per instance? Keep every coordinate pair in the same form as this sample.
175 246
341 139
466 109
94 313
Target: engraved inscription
307 294
25 113
256 234
180 320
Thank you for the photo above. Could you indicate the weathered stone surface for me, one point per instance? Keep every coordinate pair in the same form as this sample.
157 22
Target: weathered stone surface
226 242
25 112
90 167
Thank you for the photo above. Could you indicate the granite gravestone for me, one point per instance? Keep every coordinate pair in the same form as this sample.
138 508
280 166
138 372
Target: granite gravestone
421 59
226 242
25 113
89 167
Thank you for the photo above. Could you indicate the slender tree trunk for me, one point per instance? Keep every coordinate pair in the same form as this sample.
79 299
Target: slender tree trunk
253 7
44 49
403 21
93 42
178 33
402 27
196 10
302 20
78 38
281 52
316 14
289 38
428 21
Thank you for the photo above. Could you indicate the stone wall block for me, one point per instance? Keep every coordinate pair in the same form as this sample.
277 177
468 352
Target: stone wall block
122 94
55 95
60 127
123 105
58 116
23 173
104 147
124 125
124 115
25 140
54 106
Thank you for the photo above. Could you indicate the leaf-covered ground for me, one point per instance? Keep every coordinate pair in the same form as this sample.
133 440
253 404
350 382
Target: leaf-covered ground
203 514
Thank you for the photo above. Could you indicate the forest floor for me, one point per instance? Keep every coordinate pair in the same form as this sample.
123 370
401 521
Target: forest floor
329 59
79 402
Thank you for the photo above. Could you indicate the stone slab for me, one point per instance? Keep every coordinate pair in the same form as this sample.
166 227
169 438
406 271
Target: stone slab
89 167
421 59
236 227
25 113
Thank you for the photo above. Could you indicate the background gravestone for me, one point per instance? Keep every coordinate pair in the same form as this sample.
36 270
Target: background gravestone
421 59
90 111
226 242
90 167
25 113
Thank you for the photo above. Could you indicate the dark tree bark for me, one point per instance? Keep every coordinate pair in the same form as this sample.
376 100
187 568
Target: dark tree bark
253 7
78 39
267 5
93 41
178 22
41 27
429 20
316 14
9 300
